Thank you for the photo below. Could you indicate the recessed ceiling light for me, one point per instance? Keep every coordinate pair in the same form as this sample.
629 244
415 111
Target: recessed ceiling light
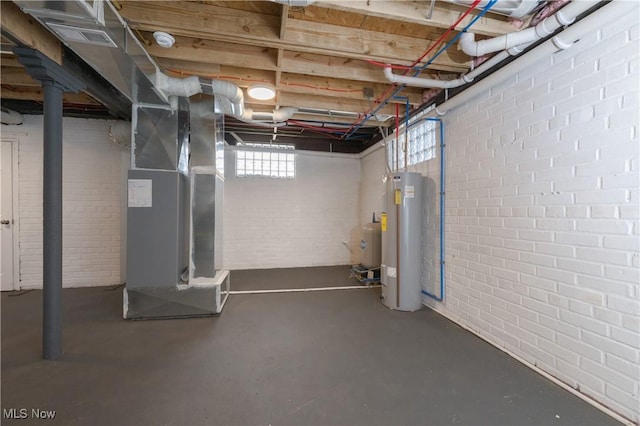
261 92
164 39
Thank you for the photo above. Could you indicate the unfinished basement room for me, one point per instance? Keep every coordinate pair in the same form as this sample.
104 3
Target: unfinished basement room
320 212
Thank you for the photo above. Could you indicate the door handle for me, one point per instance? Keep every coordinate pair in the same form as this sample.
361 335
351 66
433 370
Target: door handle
5 222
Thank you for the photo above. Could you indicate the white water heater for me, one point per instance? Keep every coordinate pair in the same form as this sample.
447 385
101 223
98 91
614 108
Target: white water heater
401 271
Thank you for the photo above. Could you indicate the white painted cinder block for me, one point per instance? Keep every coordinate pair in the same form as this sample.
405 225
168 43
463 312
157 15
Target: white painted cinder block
547 263
93 178
284 223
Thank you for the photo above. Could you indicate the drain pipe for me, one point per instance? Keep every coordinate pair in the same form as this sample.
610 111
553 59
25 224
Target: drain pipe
562 41
609 12
448 84
440 298
563 17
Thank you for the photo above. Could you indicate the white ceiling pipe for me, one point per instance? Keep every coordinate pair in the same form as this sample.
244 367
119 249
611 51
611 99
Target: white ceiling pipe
11 117
609 12
422 82
547 26
448 84
302 3
512 8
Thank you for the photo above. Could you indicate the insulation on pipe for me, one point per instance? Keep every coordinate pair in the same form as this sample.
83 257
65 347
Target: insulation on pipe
120 133
193 85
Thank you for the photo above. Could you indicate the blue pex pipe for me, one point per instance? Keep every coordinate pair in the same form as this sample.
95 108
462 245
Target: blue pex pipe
442 200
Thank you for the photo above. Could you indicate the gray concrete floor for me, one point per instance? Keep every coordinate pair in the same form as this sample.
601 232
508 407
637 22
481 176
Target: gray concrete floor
325 358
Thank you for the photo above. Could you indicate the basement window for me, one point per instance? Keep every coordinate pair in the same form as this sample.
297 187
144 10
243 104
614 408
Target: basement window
421 146
265 160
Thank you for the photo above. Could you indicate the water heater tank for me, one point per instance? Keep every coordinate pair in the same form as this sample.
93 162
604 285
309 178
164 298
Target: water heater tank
401 270
370 246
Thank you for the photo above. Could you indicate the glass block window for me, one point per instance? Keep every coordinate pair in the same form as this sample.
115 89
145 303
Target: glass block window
265 160
420 147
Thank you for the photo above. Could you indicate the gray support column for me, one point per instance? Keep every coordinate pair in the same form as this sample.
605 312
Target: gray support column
55 80
52 223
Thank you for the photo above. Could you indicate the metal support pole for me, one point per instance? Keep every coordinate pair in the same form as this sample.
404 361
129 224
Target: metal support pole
55 81
52 223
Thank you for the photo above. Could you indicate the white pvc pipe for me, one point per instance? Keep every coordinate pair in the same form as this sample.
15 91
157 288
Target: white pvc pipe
448 84
304 290
512 8
609 12
546 27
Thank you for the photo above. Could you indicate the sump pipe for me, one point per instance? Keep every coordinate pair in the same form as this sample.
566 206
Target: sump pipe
609 12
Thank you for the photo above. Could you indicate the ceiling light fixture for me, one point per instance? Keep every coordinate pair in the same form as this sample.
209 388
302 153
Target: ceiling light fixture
262 92
164 39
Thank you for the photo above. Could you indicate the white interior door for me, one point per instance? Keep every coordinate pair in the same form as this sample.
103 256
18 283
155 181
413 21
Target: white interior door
6 216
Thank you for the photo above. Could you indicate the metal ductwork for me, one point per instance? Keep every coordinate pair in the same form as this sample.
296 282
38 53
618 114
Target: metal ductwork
190 86
11 117
96 32
120 133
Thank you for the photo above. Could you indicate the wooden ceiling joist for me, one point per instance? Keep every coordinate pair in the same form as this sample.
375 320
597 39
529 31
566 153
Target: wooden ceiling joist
300 36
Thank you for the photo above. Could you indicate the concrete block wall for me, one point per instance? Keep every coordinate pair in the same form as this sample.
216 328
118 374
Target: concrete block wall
284 223
93 184
542 217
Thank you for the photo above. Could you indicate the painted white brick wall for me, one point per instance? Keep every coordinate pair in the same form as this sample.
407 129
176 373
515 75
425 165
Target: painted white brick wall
284 223
93 180
542 218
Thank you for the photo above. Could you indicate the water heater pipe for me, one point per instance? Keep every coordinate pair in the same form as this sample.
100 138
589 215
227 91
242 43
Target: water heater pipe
442 200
